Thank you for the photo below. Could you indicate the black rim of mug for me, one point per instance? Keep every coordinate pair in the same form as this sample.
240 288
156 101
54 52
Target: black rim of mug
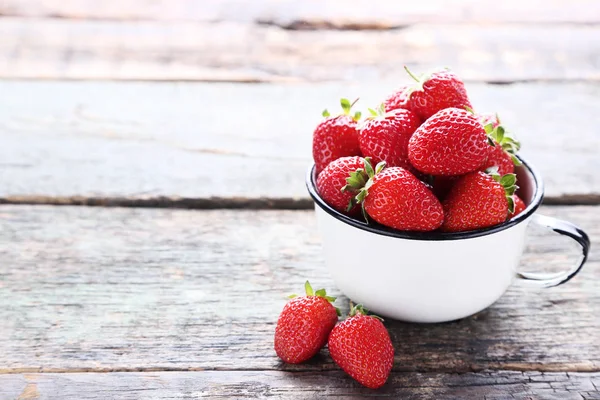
373 227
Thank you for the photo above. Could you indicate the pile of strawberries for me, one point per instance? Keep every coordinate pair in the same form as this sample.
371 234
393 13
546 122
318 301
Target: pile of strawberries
360 344
423 161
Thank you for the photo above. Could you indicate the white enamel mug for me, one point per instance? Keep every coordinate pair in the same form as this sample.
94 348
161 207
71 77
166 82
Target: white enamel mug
435 276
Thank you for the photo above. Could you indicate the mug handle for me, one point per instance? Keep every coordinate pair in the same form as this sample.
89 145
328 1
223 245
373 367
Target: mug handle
546 280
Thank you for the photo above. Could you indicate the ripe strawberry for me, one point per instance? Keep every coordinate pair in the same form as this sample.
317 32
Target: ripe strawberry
436 91
395 198
384 136
503 147
452 142
520 206
304 325
362 347
333 178
398 99
336 137
478 200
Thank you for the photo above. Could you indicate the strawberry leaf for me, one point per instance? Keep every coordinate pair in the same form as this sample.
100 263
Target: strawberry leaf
511 204
508 180
325 113
308 289
346 106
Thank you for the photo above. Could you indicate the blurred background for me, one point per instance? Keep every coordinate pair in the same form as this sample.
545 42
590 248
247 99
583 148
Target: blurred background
154 100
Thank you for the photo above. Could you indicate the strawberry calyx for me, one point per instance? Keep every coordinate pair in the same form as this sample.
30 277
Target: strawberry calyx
319 293
420 80
347 108
359 309
499 135
508 182
360 181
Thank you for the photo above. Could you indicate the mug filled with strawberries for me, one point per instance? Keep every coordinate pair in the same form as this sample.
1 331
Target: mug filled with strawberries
423 208
423 205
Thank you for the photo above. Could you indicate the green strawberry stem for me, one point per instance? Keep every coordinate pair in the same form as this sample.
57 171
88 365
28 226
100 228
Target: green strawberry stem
320 293
360 309
509 183
359 182
500 135
346 107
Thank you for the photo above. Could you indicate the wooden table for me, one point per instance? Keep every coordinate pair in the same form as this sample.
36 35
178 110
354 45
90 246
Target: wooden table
189 125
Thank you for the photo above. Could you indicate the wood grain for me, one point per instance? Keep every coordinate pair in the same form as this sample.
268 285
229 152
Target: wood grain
98 289
242 52
356 14
172 144
300 385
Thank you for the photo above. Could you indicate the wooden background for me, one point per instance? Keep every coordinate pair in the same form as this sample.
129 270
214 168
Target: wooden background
210 105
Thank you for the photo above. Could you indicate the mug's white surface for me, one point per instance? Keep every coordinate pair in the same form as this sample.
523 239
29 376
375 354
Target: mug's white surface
420 281
423 280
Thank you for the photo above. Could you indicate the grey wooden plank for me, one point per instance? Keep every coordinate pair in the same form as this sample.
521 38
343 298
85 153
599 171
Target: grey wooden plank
182 144
375 14
96 289
237 51
299 385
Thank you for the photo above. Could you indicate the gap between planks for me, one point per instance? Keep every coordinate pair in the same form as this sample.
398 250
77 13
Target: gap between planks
507 367
226 203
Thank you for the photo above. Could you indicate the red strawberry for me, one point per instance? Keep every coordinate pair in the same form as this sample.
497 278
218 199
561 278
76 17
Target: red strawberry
336 137
452 142
520 206
362 347
436 91
502 153
398 99
384 136
333 178
396 198
478 200
499 158
304 325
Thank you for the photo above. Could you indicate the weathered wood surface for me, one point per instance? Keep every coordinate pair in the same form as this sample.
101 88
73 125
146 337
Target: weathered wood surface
236 51
98 289
299 385
349 14
181 144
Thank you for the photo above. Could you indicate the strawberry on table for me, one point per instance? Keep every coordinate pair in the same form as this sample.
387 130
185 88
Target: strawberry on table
336 136
451 142
395 198
520 206
304 325
384 136
436 91
478 200
362 347
333 178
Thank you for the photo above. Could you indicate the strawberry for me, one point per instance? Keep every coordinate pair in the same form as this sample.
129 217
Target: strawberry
520 206
333 178
451 142
304 325
362 347
395 198
398 99
436 91
336 137
384 136
503 147
478 200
